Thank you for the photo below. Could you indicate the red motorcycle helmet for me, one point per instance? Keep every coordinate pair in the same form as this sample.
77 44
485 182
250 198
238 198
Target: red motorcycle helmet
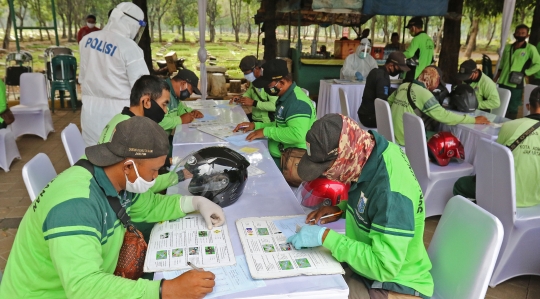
322 192
444 146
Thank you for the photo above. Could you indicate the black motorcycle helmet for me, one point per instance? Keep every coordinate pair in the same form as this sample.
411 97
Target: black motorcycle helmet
219 174
463 98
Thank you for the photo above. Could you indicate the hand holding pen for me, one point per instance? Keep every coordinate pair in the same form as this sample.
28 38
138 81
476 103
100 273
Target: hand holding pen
324 215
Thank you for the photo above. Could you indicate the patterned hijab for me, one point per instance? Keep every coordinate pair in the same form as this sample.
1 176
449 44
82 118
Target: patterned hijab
355 147
430 77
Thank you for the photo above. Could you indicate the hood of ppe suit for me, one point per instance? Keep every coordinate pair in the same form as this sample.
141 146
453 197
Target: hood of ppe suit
122 24
353 63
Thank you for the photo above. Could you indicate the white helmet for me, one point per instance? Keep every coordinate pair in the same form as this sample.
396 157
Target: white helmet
127 19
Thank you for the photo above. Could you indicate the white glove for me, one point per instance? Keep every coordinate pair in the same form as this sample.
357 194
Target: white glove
212 213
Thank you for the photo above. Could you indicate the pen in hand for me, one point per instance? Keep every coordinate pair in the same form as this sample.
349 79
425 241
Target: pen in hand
194 267
328 216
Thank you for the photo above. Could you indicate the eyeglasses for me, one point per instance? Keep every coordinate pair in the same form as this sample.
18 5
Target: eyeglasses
141 22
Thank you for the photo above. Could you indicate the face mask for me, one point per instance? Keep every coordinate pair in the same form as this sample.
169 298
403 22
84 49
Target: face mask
468 81
362 55
90 25
140 185
250 77
273 91
520 38
155 112
184 94
395 72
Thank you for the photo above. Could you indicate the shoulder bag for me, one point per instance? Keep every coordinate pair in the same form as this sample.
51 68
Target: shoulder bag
514 77
133 251
429 123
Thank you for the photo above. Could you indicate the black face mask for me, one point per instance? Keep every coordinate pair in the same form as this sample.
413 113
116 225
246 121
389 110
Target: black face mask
395 72
155 112
272 91
468 81
184 94
520 38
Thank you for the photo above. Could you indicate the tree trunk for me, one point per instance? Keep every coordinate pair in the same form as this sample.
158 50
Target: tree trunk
535 26
493 33
248 12
144 43
439 36
336 31
385 30
5 43
270 41
183 32
373 22
448 60
471 45
159 29
63 17
399 24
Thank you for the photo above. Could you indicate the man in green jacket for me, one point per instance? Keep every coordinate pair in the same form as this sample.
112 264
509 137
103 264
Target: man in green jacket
382 249
3 103
484 88
518 57
182 85
294 111
421 48
69 240
263 105
526 157
426 104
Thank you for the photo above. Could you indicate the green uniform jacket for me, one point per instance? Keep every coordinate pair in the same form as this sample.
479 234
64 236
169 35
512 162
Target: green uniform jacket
422 45
263 105
294 116
163 181
425 101
68 242
526 159
520 63
384 231
486 93
537 75
176 109
3 100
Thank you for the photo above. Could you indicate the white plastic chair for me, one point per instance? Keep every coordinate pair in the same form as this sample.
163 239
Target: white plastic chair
32 116
504 95
37 173
73 143
526 95
496 192
383 114
344 102
463 250
8 149
436 181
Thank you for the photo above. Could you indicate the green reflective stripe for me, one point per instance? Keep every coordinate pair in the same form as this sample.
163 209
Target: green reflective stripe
386 232
400 232
298 115
110 232
430 104
68 229
71 233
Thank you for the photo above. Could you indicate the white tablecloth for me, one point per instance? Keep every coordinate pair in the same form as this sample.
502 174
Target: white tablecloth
470 134
264 195
328 101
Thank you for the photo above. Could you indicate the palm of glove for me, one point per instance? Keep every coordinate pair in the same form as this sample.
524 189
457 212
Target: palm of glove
359 76
308 236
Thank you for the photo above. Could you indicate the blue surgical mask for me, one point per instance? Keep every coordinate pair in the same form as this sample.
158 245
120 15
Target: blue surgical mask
250 77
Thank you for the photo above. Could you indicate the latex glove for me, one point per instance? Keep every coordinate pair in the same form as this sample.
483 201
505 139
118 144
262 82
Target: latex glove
309 236
212 213
359 76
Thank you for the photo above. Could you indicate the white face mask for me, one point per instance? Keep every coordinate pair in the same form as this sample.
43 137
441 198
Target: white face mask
90 25
250 77
140 185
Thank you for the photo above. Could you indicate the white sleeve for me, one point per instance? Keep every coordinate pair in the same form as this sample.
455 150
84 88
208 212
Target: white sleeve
349 67
135 64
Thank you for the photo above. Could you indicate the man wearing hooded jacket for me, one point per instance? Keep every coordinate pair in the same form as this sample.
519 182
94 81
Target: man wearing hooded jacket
111 62
358 65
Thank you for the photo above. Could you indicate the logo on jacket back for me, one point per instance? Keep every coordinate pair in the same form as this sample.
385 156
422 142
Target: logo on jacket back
100 46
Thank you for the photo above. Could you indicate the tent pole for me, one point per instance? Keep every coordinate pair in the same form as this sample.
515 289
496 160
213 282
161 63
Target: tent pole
403 34
202 55
258 40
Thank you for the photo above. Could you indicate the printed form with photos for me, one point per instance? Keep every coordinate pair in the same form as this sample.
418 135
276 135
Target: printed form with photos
269 255
174 243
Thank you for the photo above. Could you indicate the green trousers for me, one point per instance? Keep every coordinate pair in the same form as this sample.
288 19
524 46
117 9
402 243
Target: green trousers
466 187
516 100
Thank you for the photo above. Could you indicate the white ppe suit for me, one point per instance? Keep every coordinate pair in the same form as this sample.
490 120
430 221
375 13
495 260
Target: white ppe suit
355 63
110 64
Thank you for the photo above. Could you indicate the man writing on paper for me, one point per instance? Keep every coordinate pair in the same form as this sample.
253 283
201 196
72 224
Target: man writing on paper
526 158
382 248
69 240
182 85
294 111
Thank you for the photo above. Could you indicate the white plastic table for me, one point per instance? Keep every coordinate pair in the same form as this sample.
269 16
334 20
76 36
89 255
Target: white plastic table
470 134
264 195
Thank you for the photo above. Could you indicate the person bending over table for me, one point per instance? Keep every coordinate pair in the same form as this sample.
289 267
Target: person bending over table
378 86
484 88
263 105
382 249
182 85
294 111
419 92
69 240
526 159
